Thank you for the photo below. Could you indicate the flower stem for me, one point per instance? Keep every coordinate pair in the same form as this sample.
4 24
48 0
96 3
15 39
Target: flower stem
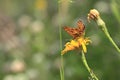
93 76
62 69
62 60
94 15
103 27
60 36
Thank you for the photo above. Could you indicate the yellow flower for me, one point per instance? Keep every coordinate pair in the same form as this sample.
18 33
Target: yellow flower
80 42
41 5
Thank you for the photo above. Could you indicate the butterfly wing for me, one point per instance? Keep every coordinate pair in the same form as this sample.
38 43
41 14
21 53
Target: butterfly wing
72 31
81 27
76 32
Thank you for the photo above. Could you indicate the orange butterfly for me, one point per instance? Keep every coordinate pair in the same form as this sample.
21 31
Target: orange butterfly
76 32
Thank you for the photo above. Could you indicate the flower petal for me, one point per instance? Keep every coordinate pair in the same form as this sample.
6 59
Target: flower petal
84 47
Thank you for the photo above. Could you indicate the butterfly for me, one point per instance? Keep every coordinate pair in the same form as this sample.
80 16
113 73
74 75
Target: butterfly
76 32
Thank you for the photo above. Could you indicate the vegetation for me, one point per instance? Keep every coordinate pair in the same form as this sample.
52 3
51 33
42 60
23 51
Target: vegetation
32 38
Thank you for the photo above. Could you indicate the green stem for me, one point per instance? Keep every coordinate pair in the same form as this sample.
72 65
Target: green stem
93 76
62 60
103 27
62 69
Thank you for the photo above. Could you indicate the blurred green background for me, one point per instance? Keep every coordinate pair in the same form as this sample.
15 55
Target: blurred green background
29 39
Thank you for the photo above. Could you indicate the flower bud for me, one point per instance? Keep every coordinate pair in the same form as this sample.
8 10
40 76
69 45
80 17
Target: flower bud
93 14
